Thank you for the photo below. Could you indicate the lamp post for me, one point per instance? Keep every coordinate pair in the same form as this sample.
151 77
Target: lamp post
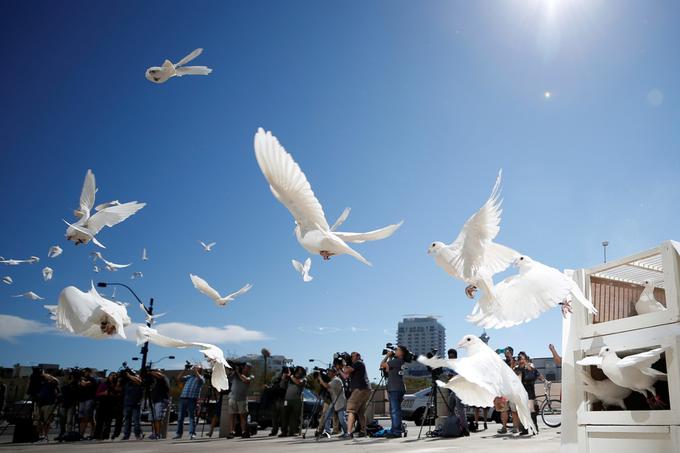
265 355
604 247
145 348
328 365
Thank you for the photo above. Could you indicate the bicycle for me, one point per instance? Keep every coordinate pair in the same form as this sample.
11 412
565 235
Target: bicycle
550 408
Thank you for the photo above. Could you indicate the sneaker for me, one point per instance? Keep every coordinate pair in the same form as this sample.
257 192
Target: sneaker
245 435
524 432
361 435
515 430
503 430
485 427
345 436
153 436
272 434
177 436
230 436
140 437
192 436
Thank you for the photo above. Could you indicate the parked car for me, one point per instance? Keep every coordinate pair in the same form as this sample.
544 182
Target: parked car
413 408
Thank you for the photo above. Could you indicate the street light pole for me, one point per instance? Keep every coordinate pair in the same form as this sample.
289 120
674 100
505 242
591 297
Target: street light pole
604 247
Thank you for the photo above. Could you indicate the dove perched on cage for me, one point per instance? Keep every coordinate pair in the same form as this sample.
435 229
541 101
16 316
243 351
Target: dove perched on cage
605 391
111 267
481 377
87 226
161 74
212 353
633 372
47 273
289 186
7 280
474 257
203 287
13 262
524 296
30 295
89 314
207 247
54 251
647 303
303 269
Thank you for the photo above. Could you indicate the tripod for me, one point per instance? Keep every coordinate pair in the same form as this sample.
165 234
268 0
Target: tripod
431 405
315 411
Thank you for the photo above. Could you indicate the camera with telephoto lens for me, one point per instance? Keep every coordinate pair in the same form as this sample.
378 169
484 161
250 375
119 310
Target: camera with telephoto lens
342 358
434 371
408 355
236 366
321 372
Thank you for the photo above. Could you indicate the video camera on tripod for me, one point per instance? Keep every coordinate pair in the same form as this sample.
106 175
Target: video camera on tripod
435 372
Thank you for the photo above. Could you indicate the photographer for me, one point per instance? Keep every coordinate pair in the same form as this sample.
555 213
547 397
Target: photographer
132 403
69 404
107 393
238 399
188 398
46 404
276 394
361 391
87 389
160 398
338 402
528 374
393 364
294 384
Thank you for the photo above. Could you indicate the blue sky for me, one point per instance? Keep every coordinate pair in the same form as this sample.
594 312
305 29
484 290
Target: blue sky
400 110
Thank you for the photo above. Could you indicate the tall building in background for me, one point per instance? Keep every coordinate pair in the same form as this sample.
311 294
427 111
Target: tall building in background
421 335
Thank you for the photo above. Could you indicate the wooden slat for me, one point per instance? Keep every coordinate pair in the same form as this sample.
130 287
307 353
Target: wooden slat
616 300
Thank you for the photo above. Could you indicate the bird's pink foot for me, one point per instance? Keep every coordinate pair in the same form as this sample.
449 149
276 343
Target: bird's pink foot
655 402
326 255
566 307
470 291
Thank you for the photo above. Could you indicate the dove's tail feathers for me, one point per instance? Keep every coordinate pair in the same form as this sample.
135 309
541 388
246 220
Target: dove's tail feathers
374 235
193 70
581 298
651 372
340 243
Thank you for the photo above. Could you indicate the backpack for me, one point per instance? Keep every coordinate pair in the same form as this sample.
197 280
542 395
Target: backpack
455 425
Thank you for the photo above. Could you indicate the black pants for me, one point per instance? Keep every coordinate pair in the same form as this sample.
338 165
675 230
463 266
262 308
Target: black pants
103 418
277 412
290 421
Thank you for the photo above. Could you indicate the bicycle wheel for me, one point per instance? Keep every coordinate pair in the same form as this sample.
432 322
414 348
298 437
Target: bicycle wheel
551 413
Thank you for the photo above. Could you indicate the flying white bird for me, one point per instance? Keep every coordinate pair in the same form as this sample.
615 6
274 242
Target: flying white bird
647 303
30 295
303 269
161 74
473 257
212 353
289 185
203 287
89 314
137 274
95 268
108 204
85 229
207 247
341 219
112 267
47 273
483 376
145 256
7 280
150 319
605 391
633 372
12 262
54 251
524 296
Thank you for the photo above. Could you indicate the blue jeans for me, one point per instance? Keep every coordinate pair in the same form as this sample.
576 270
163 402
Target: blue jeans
395 397
328 421
186 405
131 415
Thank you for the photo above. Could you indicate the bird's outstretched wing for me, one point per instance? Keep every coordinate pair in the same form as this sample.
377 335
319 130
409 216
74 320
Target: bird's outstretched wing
113 215
243 290
341 219
473 248
189 57
288 183
203 287
193 70
374 235
87 194
642 360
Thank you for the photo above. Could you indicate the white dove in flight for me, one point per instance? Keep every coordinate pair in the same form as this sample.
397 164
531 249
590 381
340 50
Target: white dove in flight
54 251
605 391
13 262
303 269
30 295
289 185
633 372
647 303
111 267
85 229
483 376
203 287
207 247
95 269
524 296
150 319
212 353
89 314
145 256
7 280
47 273
473 257
137 274
161 74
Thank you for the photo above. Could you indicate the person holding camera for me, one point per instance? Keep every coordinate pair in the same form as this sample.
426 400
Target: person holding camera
336 389
276 394
132 403
294 383
48 392
160 399
188 398
106 394
393 363
360 393
87 390
528 374
238 399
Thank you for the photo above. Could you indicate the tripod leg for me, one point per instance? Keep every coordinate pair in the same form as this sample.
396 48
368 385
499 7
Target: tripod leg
426 414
